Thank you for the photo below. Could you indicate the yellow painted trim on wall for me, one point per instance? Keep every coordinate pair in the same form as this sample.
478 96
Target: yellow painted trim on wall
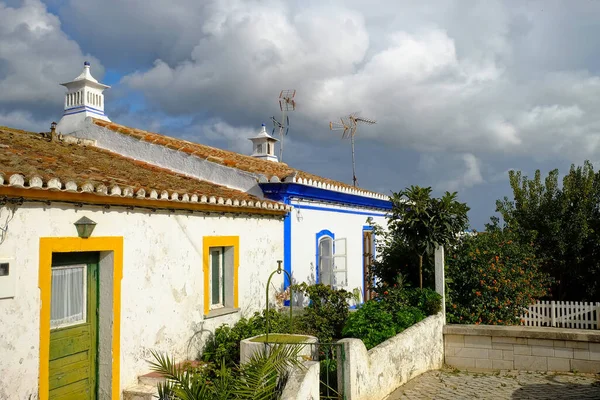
49 245
220 241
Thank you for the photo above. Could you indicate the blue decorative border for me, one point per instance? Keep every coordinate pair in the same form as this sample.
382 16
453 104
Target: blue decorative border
317 208
88 109
83 106
276 191
319 235
287 246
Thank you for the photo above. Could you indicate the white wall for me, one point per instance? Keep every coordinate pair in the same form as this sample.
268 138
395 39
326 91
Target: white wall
306 223
162 286
374 374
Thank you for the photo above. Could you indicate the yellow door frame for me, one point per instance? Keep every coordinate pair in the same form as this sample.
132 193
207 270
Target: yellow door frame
49 245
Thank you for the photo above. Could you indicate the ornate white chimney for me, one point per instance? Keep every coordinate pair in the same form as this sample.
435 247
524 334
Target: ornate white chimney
84 99
263 145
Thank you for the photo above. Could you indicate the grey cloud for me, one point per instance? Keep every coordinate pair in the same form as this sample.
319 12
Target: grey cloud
462 90
35 56
449 83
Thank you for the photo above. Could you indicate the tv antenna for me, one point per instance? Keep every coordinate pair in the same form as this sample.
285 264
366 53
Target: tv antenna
286 103
349 125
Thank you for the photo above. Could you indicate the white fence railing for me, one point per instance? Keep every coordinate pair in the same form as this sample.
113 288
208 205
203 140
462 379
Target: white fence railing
563 314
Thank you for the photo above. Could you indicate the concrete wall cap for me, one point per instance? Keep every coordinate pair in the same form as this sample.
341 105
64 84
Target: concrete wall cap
532 332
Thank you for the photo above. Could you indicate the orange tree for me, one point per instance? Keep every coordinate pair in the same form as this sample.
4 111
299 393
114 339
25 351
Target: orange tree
492 278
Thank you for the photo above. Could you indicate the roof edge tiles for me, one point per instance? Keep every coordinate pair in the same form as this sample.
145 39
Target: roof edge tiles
34 188
287 174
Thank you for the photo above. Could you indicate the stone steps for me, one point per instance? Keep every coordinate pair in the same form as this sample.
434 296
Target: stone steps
146 389
140 392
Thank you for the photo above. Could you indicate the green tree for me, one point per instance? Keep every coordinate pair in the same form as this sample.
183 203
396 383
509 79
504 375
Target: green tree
562 223
491 278
422 223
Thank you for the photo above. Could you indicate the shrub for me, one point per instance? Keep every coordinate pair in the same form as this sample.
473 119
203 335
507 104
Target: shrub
371 323
263 377
326 313
491 278
394 310
225 343
426 300
407 317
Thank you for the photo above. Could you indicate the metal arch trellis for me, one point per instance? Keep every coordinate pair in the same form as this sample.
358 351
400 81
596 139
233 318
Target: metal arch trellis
330 351
277 271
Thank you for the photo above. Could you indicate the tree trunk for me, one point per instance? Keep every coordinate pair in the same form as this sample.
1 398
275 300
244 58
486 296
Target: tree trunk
421 271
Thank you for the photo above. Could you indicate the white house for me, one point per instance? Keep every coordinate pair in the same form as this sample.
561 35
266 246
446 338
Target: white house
185 238
327 235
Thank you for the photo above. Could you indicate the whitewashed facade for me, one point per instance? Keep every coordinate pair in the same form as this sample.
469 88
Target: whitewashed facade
162 286
328 236
155 247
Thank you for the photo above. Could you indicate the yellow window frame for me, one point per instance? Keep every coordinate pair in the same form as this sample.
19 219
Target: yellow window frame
219 241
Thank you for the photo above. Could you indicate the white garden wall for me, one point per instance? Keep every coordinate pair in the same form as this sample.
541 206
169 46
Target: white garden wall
303 384
162 285
373 374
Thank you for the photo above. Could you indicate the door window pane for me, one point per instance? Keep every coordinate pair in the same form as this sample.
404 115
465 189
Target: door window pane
69 295
325 260
216 278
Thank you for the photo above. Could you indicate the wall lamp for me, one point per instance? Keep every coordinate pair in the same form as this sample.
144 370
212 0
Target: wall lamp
85 227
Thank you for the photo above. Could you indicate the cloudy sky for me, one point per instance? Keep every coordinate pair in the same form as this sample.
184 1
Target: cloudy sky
462 91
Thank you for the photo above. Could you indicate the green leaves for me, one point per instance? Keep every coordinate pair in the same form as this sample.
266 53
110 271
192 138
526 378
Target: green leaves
225 344
563 225
423 223
327 312
392 312
262 378
492 277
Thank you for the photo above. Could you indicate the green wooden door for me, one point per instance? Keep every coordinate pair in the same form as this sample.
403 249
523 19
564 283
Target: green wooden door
74 326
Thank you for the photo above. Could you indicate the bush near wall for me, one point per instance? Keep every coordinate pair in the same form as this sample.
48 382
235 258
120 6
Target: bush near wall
225 343
324 318
394 310
326 314
491 278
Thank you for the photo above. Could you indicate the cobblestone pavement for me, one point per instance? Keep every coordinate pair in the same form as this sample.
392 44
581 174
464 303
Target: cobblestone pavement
453 384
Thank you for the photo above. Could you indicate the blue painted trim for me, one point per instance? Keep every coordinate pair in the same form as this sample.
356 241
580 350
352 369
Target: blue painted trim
276 190
318 236
287 246
88 107
78 112
371 214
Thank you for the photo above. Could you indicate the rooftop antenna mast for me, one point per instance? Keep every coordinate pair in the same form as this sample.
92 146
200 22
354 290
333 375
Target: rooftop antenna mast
349 125
286 103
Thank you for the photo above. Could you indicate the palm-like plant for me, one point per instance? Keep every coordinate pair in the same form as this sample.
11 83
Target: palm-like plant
262 378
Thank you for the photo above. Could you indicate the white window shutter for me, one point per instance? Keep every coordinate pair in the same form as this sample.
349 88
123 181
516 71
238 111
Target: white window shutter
340 267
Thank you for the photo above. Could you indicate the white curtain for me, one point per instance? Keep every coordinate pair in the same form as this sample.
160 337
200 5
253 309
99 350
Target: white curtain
68 300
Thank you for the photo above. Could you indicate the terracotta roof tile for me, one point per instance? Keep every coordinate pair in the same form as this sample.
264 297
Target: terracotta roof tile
225 157
30 155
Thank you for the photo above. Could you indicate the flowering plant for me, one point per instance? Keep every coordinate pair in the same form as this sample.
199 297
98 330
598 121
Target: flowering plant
492 278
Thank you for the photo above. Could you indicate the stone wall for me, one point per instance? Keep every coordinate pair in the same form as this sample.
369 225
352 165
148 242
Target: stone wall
373 374
303 384
522 348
